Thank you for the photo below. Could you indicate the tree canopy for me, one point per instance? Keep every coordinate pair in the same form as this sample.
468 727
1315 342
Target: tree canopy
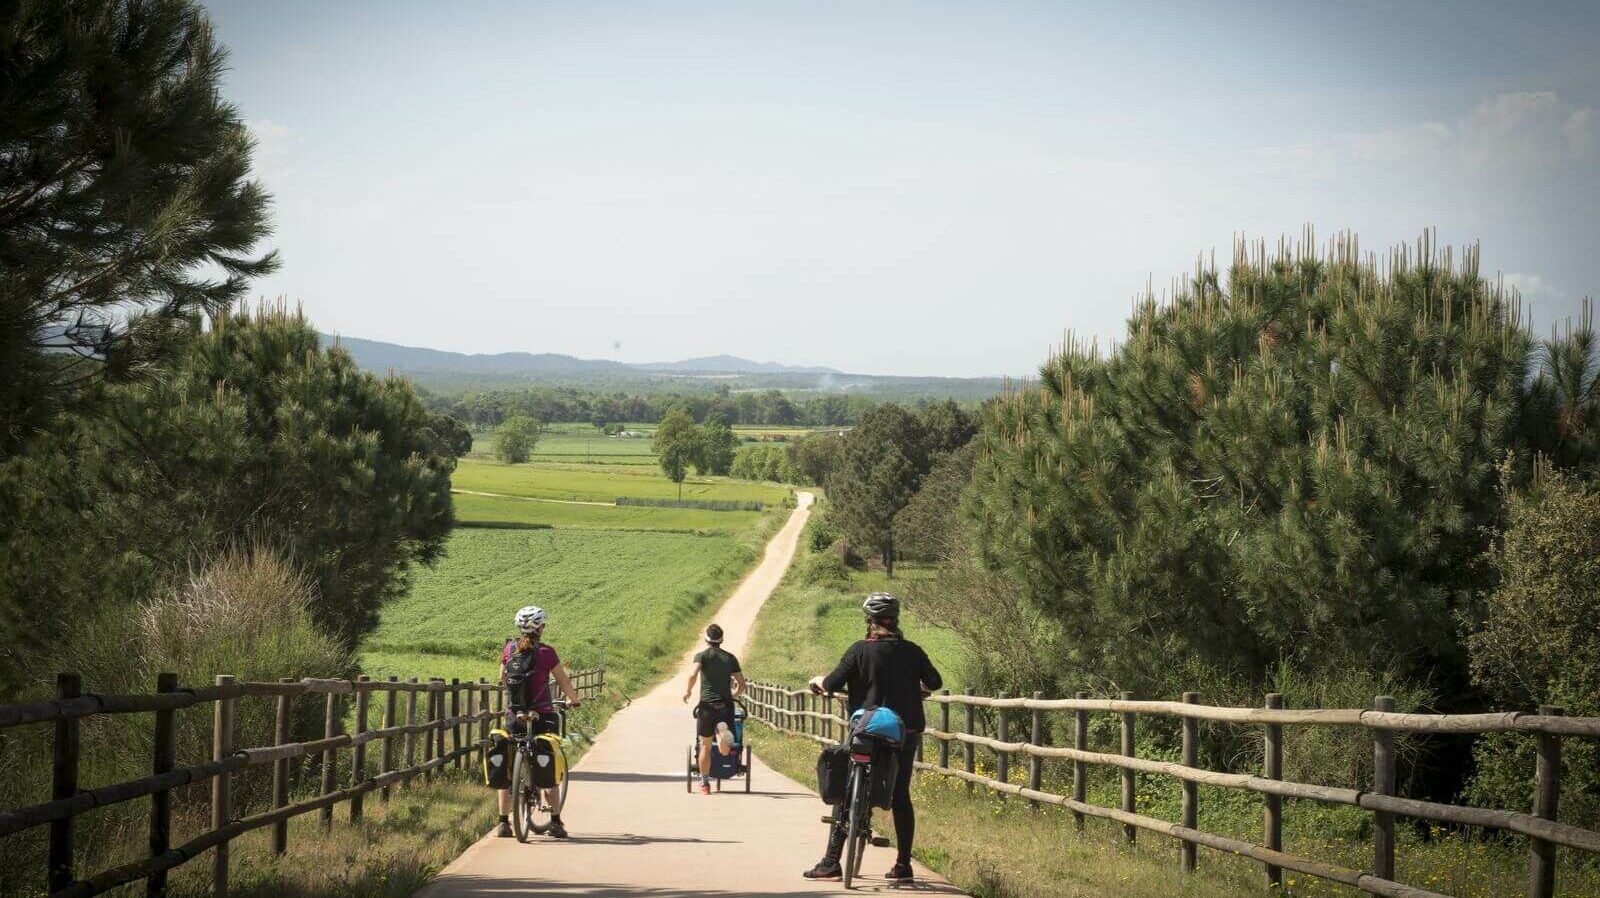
252 435
1300 467
676 441
516 438
124 186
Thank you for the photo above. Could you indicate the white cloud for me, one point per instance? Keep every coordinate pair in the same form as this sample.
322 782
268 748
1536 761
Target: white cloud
1532 286
1508 133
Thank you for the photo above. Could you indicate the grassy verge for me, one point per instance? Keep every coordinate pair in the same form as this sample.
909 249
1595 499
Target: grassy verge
392 852
997 847
806 625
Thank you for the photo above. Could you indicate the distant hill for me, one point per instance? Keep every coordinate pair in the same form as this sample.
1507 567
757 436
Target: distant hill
455 372
732 364
379 356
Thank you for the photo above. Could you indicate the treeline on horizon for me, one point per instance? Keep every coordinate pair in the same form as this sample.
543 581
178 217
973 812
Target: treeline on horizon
552 405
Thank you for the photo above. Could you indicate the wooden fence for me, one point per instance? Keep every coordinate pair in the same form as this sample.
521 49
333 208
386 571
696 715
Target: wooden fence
454 723
822 719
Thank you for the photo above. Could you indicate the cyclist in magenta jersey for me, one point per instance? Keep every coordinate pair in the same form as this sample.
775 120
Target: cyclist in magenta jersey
529 659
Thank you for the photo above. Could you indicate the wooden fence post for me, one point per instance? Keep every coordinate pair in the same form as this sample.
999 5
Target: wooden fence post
1002 728
971 753
64 783
1546 792
427 731
1383 783
330 728
280 769
391 700
1129 831
411 722
1036 738
358 757
1080 741
455 729
1272 818
221 786
1191 790
439 721
163 759
483 724
944 727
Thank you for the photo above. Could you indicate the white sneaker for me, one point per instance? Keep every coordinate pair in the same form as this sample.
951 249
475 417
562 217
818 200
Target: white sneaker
724 738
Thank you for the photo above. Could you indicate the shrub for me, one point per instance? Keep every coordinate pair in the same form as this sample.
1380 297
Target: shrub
1537 641
702 504
246 613
514 440
764 462
820 532
825 569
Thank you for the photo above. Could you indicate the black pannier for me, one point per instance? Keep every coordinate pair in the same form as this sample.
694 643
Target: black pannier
544 772
833 774
497 760
885 768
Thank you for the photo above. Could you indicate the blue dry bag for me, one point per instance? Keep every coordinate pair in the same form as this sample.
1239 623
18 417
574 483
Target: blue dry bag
879 723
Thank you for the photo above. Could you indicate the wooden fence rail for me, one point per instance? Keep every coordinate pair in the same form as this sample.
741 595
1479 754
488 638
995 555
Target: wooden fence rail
469 731
777 706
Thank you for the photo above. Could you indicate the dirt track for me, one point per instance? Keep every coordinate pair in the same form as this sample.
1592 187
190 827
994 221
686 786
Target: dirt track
636 831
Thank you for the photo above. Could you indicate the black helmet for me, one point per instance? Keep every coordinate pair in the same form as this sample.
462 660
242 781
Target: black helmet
714 634
881 604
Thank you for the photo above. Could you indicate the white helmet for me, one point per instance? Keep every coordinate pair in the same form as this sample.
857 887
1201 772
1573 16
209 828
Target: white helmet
530 619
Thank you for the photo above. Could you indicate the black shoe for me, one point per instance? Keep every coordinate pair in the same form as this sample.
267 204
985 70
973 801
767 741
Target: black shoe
503 830
557 831
824 871
899 873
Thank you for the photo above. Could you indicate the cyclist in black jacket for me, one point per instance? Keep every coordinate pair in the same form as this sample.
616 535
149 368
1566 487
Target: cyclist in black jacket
889 671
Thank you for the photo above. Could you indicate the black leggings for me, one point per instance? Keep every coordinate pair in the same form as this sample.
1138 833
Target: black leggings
905 819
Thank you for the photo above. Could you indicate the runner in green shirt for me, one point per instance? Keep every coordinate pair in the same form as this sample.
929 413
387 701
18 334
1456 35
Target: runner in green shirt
721 682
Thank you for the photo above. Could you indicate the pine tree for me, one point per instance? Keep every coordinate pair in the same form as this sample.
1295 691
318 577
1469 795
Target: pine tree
253 435
1300 468
124 184
880 466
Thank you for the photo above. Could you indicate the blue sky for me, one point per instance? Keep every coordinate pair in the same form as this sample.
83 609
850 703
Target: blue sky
898 188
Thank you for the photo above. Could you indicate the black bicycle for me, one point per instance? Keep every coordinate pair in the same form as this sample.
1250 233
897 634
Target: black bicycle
531 810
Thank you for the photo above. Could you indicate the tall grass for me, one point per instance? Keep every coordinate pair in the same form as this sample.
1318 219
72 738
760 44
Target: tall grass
246 613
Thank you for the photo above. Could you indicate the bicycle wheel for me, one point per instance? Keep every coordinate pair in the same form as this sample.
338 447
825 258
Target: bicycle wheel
521 796
747 759
691 770
542 811
858 813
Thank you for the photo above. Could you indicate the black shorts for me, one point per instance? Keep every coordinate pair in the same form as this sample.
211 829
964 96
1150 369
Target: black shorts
548 722
708 714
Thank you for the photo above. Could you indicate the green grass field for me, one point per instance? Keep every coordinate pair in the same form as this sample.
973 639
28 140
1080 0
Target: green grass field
633 582
592 484
494 511
638 595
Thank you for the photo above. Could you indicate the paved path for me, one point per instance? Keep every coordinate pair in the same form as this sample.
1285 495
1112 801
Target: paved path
637 832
